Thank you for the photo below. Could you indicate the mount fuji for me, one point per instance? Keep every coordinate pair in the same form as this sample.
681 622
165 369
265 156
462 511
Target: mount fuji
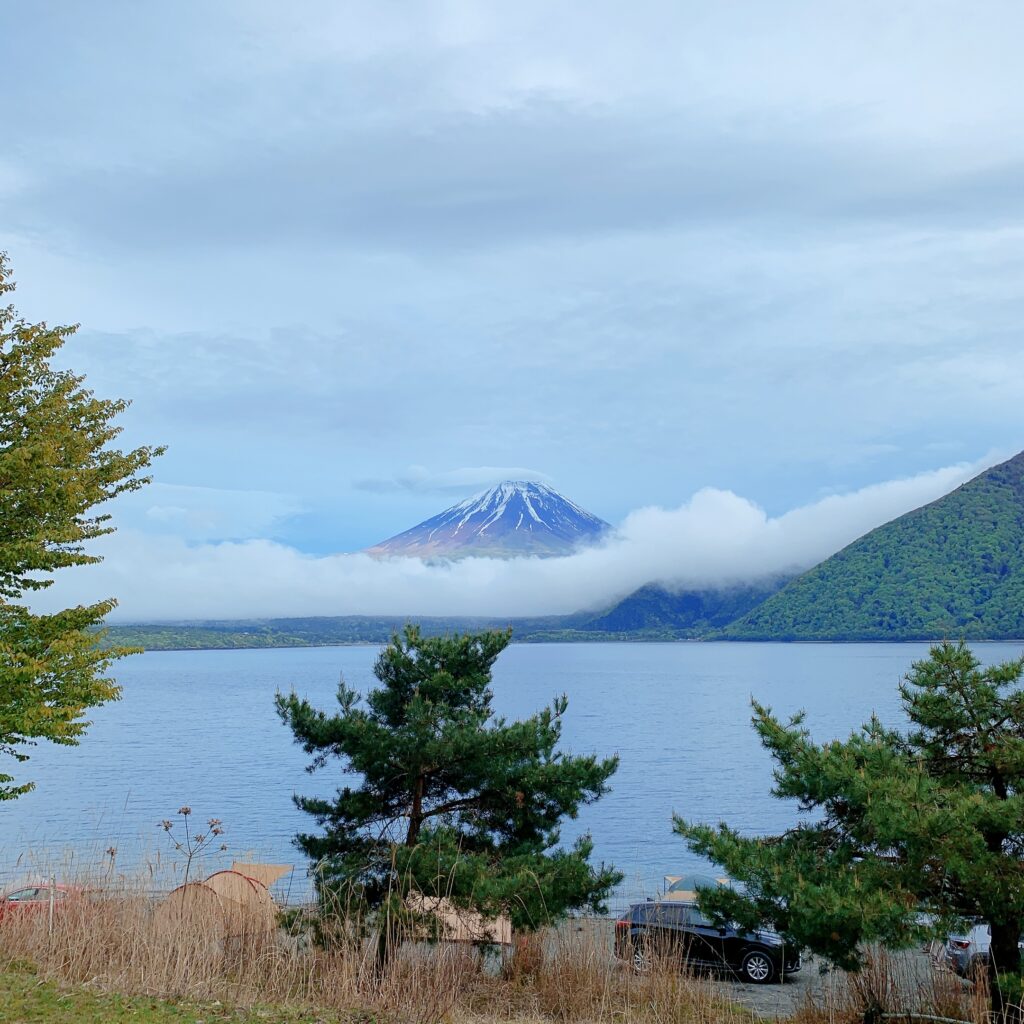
515 518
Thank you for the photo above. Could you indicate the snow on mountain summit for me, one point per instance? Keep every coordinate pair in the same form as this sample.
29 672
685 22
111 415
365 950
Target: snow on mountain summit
517 517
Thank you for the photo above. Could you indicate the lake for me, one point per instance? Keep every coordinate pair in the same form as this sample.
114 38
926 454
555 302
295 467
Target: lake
199 728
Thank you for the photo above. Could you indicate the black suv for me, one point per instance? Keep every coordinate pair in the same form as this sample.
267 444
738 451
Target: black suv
680 932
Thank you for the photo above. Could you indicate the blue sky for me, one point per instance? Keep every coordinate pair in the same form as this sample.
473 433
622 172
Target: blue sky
355 260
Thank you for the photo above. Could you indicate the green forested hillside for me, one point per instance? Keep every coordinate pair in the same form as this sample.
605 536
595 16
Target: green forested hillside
954 568
690 613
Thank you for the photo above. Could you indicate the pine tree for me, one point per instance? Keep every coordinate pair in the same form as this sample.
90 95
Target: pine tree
908 827
56 466
451 801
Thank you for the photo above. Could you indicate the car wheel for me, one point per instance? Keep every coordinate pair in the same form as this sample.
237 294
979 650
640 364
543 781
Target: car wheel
757 967
642 960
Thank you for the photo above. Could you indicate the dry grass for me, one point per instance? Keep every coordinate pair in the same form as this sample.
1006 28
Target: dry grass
894 984
118 939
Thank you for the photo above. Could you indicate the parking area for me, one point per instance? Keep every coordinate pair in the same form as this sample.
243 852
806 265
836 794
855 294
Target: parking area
911 978
912 983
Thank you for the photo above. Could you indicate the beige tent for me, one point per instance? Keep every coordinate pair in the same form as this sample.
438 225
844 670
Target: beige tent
459 925
246 901
190 906
227 902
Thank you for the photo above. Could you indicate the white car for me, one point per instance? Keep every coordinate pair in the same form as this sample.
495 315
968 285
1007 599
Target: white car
967 953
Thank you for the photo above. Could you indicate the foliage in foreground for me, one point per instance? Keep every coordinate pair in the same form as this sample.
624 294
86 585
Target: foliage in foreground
928 820
56 466
452 801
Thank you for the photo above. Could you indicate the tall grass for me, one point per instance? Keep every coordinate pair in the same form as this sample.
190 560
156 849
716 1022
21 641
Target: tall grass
122 934
115 936
893 985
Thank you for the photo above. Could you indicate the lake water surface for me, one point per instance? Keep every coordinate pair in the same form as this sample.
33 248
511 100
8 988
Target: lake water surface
199 728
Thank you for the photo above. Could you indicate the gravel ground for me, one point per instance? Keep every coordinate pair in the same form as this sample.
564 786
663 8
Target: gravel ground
781 1000
914 974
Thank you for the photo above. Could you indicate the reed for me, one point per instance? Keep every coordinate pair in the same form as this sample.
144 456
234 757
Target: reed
115 936
121 934
891 985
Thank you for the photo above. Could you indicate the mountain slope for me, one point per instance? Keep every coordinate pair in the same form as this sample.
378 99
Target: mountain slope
694 612
954 568
515 518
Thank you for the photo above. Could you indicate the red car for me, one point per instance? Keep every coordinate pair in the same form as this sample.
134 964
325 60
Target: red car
35 899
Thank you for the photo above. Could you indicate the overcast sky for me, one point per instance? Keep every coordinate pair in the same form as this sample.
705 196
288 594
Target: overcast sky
353 261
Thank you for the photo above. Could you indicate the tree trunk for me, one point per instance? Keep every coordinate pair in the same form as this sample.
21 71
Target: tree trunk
416 812
1004 958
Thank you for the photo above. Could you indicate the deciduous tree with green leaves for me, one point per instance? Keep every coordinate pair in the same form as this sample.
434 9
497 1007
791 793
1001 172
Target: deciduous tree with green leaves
56 465
923 821
450 800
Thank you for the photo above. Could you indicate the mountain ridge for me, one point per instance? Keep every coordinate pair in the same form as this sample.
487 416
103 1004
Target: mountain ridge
953 568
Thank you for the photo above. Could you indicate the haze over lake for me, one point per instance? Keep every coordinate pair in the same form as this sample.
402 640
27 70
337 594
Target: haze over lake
198 728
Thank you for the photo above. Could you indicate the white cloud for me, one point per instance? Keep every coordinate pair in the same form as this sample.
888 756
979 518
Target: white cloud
716 539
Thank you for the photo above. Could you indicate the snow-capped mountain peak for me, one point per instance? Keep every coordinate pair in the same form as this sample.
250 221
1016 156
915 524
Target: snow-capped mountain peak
516 517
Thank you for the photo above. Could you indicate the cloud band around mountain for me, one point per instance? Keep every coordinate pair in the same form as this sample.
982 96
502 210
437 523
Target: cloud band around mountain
716 539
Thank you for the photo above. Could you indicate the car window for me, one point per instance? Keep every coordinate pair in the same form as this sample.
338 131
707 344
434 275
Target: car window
666 915
695 917
23 894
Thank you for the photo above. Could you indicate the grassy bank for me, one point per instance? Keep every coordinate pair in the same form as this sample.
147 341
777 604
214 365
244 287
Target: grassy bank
25 998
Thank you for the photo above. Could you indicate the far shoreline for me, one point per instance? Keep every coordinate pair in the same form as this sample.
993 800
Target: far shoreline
117 637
